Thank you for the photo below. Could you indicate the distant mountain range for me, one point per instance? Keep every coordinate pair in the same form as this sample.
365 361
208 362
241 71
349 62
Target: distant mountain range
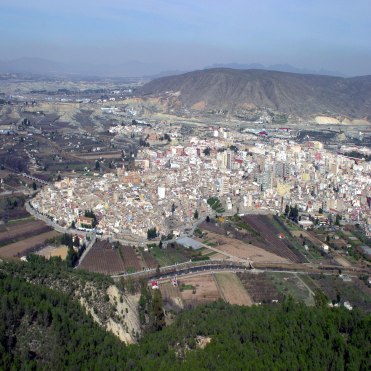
48 67
302 95
276 67
129 69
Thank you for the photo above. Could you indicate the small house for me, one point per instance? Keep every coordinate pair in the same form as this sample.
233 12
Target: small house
325 247
281 235
347 305
154 285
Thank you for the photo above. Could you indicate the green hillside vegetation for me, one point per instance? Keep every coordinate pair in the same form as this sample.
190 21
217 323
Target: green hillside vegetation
216 205
44 329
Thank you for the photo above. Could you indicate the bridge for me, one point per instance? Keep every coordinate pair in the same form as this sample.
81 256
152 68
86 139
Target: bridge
35 179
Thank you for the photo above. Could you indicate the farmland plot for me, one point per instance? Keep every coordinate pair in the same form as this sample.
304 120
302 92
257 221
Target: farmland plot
22 230
102 259
205 291
21 248
95 262
232 289
130 258
262 224
150 260
347 291
244 251
290 284
259 287
114 262
171 293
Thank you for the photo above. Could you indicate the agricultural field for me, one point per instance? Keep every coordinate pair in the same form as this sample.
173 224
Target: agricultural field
347 291
205 290
12 207
22 229
94 262
150 260
171 294
102 259
170 256
131 261
27 245
241 250
269 232
259 287
232 289
291 284
237 229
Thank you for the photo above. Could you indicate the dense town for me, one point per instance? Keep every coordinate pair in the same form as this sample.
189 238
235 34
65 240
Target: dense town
170 187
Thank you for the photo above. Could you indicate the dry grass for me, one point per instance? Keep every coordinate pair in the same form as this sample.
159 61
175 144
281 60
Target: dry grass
241 250
232 289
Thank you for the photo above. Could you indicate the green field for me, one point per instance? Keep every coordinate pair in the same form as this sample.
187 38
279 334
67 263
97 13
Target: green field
210 253
348 291
290 284
167 257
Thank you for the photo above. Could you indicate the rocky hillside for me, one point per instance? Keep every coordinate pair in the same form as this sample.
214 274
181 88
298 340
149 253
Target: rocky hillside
296 94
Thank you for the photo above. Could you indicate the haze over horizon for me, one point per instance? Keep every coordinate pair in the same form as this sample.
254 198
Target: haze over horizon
189 35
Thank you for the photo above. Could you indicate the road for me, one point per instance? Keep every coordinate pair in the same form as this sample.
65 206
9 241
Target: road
227 270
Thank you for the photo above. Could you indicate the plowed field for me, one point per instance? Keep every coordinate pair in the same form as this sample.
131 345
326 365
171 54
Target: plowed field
232 289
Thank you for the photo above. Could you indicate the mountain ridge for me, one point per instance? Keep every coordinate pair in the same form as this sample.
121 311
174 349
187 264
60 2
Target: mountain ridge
302 95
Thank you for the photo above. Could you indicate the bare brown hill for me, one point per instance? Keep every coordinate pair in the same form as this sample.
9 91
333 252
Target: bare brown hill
291 93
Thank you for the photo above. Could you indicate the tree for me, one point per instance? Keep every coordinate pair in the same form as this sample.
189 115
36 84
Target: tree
287 209
34 186
73 226
160 245
320 298
158 312
337 222
71 256
151 233
206 151
97 165
76 242
196 214
208 219
320 210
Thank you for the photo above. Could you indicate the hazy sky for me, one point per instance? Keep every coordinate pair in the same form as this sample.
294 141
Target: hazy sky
189 34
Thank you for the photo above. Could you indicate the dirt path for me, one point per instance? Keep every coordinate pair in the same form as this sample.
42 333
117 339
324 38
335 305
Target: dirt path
341 260
312 293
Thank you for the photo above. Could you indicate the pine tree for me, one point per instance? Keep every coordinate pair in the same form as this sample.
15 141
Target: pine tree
158 312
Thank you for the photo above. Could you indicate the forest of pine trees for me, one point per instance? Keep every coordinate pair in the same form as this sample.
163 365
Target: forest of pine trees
44 329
